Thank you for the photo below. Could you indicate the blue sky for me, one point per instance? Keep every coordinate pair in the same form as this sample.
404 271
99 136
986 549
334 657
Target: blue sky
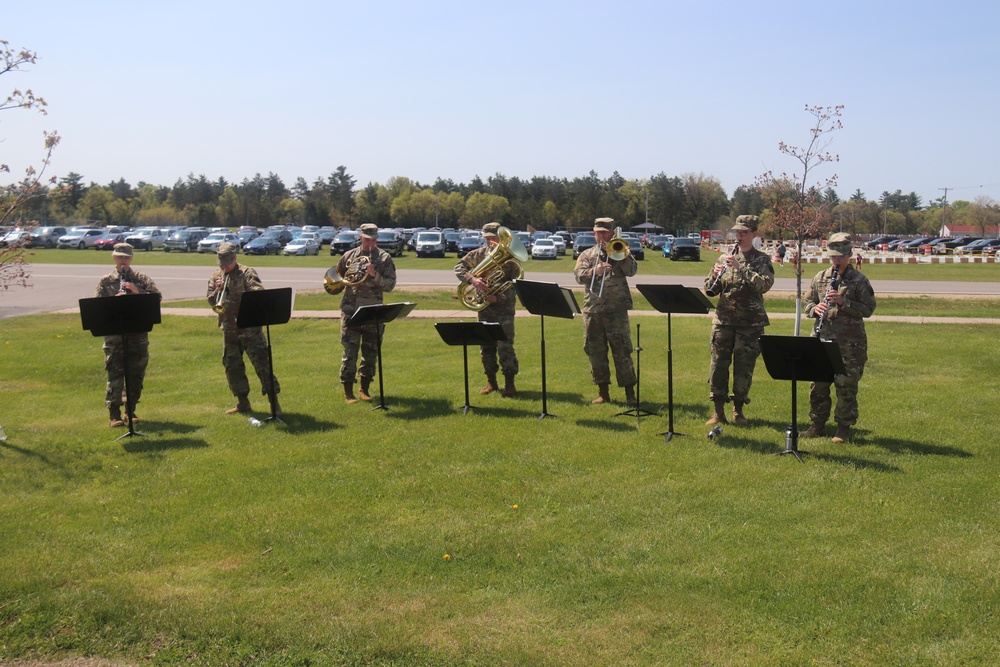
154 91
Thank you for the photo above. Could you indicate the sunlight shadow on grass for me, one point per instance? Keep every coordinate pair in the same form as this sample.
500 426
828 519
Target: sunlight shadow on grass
897 446
145 445
603 425
857 463
25 452
417 408
297 423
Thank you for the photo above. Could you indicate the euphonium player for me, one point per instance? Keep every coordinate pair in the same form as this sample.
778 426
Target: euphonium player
844 310
124 280
500 309
740 280
605 313
380 278
225 289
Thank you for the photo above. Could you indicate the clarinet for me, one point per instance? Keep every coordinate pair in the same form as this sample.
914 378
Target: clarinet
834 284
121 283
718 278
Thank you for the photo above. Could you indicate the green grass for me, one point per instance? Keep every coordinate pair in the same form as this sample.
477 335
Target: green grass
441 299
578 539
653 265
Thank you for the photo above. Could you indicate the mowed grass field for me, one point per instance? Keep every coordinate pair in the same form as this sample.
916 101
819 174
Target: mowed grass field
422 536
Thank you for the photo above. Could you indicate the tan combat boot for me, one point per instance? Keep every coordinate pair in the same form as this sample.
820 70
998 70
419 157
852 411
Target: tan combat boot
843 434
491 384
349 393
630 396
817 430
363 391
242 405
115 417
719 416
602 394
739 419
509 390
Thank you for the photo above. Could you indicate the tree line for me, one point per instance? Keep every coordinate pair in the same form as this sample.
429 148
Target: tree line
678 204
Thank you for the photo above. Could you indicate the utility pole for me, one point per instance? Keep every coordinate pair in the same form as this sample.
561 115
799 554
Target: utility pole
944 209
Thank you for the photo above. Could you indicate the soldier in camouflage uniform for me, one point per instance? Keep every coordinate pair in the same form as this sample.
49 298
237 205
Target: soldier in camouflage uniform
500 309
124 280
381 278
740 279
237 341
605 314
843 311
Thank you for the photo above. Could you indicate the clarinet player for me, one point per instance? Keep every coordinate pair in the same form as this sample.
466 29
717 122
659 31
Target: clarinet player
840 308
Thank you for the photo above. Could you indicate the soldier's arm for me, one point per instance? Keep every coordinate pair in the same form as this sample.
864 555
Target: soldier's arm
385 277
859 300
584 270
251 281
812 297
759 274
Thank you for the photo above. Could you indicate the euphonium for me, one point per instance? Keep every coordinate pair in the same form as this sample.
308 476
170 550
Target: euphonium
491 270
220 299
357 272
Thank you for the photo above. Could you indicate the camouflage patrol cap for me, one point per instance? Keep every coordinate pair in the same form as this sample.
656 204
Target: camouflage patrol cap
122 250
746 223
369 231
227 250
604 224
839 244
491 229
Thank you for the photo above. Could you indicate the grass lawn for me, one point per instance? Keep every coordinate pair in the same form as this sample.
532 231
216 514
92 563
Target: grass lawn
652 265
422 536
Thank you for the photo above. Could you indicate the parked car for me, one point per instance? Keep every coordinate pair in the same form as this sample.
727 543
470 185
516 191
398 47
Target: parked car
185 240
109 241
46 237
15 237
668 244
212 242
543 248
559 243
636 249
566 237
247 234
146 239
306 243
391 242
877 241
345 241
685 248
285 233
80 238
583 241
326 235
980 247
265 244
430 244
656 241
914 245
929 246
468 244
451 240
948 247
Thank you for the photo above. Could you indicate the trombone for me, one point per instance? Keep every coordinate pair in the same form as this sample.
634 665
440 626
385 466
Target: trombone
615 249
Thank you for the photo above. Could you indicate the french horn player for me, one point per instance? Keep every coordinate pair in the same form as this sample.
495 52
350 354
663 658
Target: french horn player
487 274
363 275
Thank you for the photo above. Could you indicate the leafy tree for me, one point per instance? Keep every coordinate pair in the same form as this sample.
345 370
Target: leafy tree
983 214
229 208
481 208
704 200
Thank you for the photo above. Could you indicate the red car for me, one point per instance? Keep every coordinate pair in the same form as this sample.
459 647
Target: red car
108 242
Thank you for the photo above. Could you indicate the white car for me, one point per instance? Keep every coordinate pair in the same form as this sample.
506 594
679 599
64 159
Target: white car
543 248
430 244
212 242
306 243
80 238
560 244
146 238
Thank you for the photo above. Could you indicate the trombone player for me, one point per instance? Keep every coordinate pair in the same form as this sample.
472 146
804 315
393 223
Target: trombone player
225 290
364 274
605 310
499 305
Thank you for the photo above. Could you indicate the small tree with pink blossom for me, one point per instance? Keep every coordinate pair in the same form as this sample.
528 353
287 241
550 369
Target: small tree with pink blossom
797 210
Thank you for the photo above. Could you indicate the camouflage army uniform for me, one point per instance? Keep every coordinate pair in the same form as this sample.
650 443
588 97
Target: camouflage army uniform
138 344
501 312
605 318
237 341
845 325
367 293
739 321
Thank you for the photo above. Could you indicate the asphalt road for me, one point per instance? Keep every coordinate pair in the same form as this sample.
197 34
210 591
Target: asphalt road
61 286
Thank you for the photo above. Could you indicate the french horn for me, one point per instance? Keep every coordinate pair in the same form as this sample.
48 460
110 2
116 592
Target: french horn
357 273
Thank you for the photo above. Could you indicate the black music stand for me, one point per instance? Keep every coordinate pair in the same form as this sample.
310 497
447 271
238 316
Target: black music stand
466 334
637 410
376 314
262 308
800 358
119 316
546 299
671 299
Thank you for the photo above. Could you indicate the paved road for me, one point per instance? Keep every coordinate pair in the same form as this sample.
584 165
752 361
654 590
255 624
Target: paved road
61 286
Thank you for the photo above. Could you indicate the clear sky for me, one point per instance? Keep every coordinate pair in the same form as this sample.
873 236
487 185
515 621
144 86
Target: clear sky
153 91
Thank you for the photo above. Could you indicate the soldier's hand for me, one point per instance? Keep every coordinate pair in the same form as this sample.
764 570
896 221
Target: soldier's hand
833 296
820 308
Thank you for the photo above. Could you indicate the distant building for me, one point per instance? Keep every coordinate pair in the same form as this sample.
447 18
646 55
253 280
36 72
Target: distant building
991 231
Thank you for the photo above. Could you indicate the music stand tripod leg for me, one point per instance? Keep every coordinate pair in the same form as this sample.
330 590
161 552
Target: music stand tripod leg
637 411
792 439
271 396
670 433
